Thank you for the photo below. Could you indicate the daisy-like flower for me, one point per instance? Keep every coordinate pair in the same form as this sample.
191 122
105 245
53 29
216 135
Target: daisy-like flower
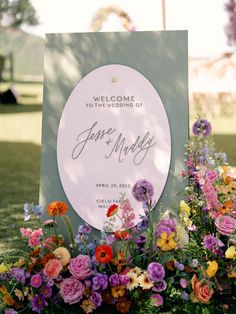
112 210
136 270
88 306
133 280
144 281
167 243
118 291
103 253
123 306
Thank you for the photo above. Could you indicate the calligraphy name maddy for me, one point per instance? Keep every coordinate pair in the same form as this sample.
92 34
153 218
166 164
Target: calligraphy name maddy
116 144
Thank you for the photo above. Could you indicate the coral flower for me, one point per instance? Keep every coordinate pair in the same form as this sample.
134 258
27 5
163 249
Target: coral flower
112 210
121 234
53 268
123 306
167 243
201 291
103 253
57 208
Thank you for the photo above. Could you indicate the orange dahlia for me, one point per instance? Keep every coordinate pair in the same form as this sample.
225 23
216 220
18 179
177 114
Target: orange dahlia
112 210
57 208
103 253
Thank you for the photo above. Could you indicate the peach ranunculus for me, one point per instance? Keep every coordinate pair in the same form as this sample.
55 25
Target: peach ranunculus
63 255
53 268
201 291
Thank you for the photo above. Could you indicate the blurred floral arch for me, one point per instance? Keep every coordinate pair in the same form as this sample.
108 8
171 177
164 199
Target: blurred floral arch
103 13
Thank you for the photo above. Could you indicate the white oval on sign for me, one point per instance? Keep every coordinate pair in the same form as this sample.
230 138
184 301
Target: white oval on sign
113 131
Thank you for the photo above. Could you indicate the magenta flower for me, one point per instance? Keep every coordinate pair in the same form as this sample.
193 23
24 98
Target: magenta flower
36 281
71 290
225 225
46 292
81 267
210 242
156 272
38 303
157 299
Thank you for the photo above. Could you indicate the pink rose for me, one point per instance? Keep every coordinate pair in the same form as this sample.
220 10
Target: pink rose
80 267
201 292
53 268
71 290
226 225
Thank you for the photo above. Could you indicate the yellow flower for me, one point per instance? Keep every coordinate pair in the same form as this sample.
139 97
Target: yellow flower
136 270
63 255
212 268
133 280
88 306
118 291
230 252
232 274
19 294
184 208
167 243
20 262
4 267
144 281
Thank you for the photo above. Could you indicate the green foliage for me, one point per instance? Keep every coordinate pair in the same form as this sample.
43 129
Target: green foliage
16 13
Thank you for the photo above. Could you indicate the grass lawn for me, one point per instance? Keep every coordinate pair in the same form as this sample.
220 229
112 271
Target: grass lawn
20 137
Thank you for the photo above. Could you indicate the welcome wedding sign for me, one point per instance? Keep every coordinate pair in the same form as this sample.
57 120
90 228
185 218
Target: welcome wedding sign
115 111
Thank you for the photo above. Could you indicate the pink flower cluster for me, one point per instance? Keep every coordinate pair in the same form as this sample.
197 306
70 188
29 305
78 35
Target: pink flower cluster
210 195
127 214
33 236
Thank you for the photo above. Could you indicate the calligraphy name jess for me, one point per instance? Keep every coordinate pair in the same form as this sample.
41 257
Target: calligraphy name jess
116 144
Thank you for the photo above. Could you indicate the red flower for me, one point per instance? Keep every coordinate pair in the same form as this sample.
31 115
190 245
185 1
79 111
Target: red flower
57 208
103 253
112 210
121 234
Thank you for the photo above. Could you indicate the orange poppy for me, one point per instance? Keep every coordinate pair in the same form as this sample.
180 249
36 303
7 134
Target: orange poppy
112 210
57 208
103 253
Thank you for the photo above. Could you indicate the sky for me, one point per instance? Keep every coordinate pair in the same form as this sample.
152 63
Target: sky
204 19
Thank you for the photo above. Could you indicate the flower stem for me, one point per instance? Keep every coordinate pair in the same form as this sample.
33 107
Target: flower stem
55 228
150 232
69 228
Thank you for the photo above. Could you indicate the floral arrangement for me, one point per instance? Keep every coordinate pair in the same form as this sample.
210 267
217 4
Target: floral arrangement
146 268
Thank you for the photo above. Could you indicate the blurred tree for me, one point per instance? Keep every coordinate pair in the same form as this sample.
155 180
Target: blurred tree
14 13
230 29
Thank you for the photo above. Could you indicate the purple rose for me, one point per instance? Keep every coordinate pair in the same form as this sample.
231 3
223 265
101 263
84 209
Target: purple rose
156 272
157 299
114 280
210 242
80 267
143 191
159 286
71 290
100 282
225 225
96 298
